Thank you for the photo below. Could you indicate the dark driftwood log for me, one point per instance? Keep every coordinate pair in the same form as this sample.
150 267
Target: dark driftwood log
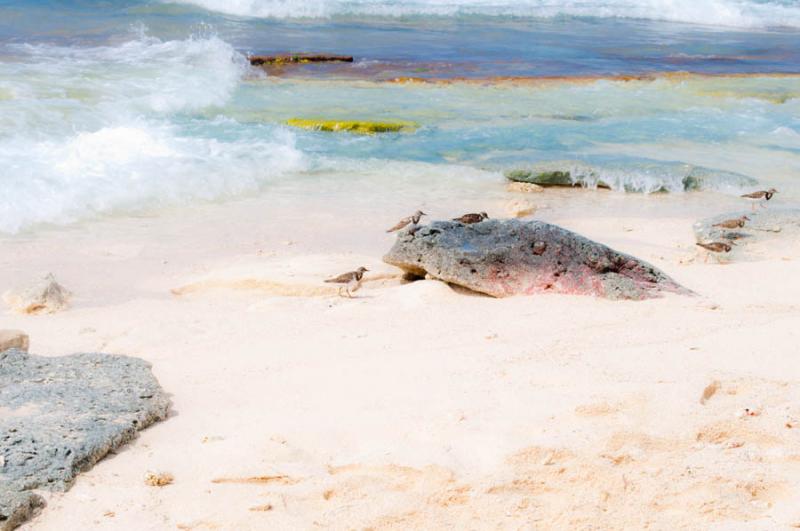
258 60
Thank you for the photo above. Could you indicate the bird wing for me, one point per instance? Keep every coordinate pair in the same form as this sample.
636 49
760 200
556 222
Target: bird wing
754 195
400 224
343 278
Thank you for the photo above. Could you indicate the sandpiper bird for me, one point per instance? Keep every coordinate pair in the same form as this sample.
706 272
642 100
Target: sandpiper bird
736 223
766 195
414 218
351 279
715 247
467 219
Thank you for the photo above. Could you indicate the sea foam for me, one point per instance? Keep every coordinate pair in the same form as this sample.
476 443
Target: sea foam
90 131
732 13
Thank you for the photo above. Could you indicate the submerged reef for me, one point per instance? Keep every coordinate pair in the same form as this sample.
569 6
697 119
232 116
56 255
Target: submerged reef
300 58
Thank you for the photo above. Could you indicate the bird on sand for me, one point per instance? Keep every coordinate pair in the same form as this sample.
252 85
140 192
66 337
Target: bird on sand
716 247
468 219
351 281
766 195
414 218
736 223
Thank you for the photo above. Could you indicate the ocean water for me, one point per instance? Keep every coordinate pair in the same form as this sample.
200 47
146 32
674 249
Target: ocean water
113 107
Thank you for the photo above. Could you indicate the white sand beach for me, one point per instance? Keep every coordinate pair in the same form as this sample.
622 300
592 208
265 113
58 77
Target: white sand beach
415 405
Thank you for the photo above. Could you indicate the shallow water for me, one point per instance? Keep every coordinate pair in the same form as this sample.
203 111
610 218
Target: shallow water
116 107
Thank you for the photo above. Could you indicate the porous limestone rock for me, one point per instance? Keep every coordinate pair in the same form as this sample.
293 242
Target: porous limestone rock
60 415
514 257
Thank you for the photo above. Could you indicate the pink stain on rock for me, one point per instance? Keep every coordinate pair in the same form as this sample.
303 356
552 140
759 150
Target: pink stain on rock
513 257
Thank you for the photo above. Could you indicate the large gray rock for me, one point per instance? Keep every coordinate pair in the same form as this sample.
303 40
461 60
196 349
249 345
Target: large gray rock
514 257
59 416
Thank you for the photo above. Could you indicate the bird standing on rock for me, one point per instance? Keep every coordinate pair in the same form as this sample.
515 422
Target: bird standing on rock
351 279
766 195
468 219
736 223
414 218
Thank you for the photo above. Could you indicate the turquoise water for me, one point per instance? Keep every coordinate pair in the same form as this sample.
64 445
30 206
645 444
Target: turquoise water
111 107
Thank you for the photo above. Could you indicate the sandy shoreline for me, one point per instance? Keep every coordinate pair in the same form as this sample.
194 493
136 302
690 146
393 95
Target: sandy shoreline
416 406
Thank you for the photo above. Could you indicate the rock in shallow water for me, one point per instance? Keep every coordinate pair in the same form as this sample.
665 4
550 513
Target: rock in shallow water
513 257
59 416
641 176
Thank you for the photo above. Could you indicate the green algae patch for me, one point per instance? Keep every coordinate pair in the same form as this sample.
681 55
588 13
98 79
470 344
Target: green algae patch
542 177
353 126
553 173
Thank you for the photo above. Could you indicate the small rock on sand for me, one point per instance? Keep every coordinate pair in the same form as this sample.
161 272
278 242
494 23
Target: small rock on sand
13 339
46 296
520 208
158 479
525 188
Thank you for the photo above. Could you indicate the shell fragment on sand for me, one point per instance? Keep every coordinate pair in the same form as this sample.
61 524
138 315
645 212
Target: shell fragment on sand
513 257
158 479
353 126
62 415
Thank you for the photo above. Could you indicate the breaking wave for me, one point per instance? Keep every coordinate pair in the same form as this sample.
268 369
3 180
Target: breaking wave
732 13
90 131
